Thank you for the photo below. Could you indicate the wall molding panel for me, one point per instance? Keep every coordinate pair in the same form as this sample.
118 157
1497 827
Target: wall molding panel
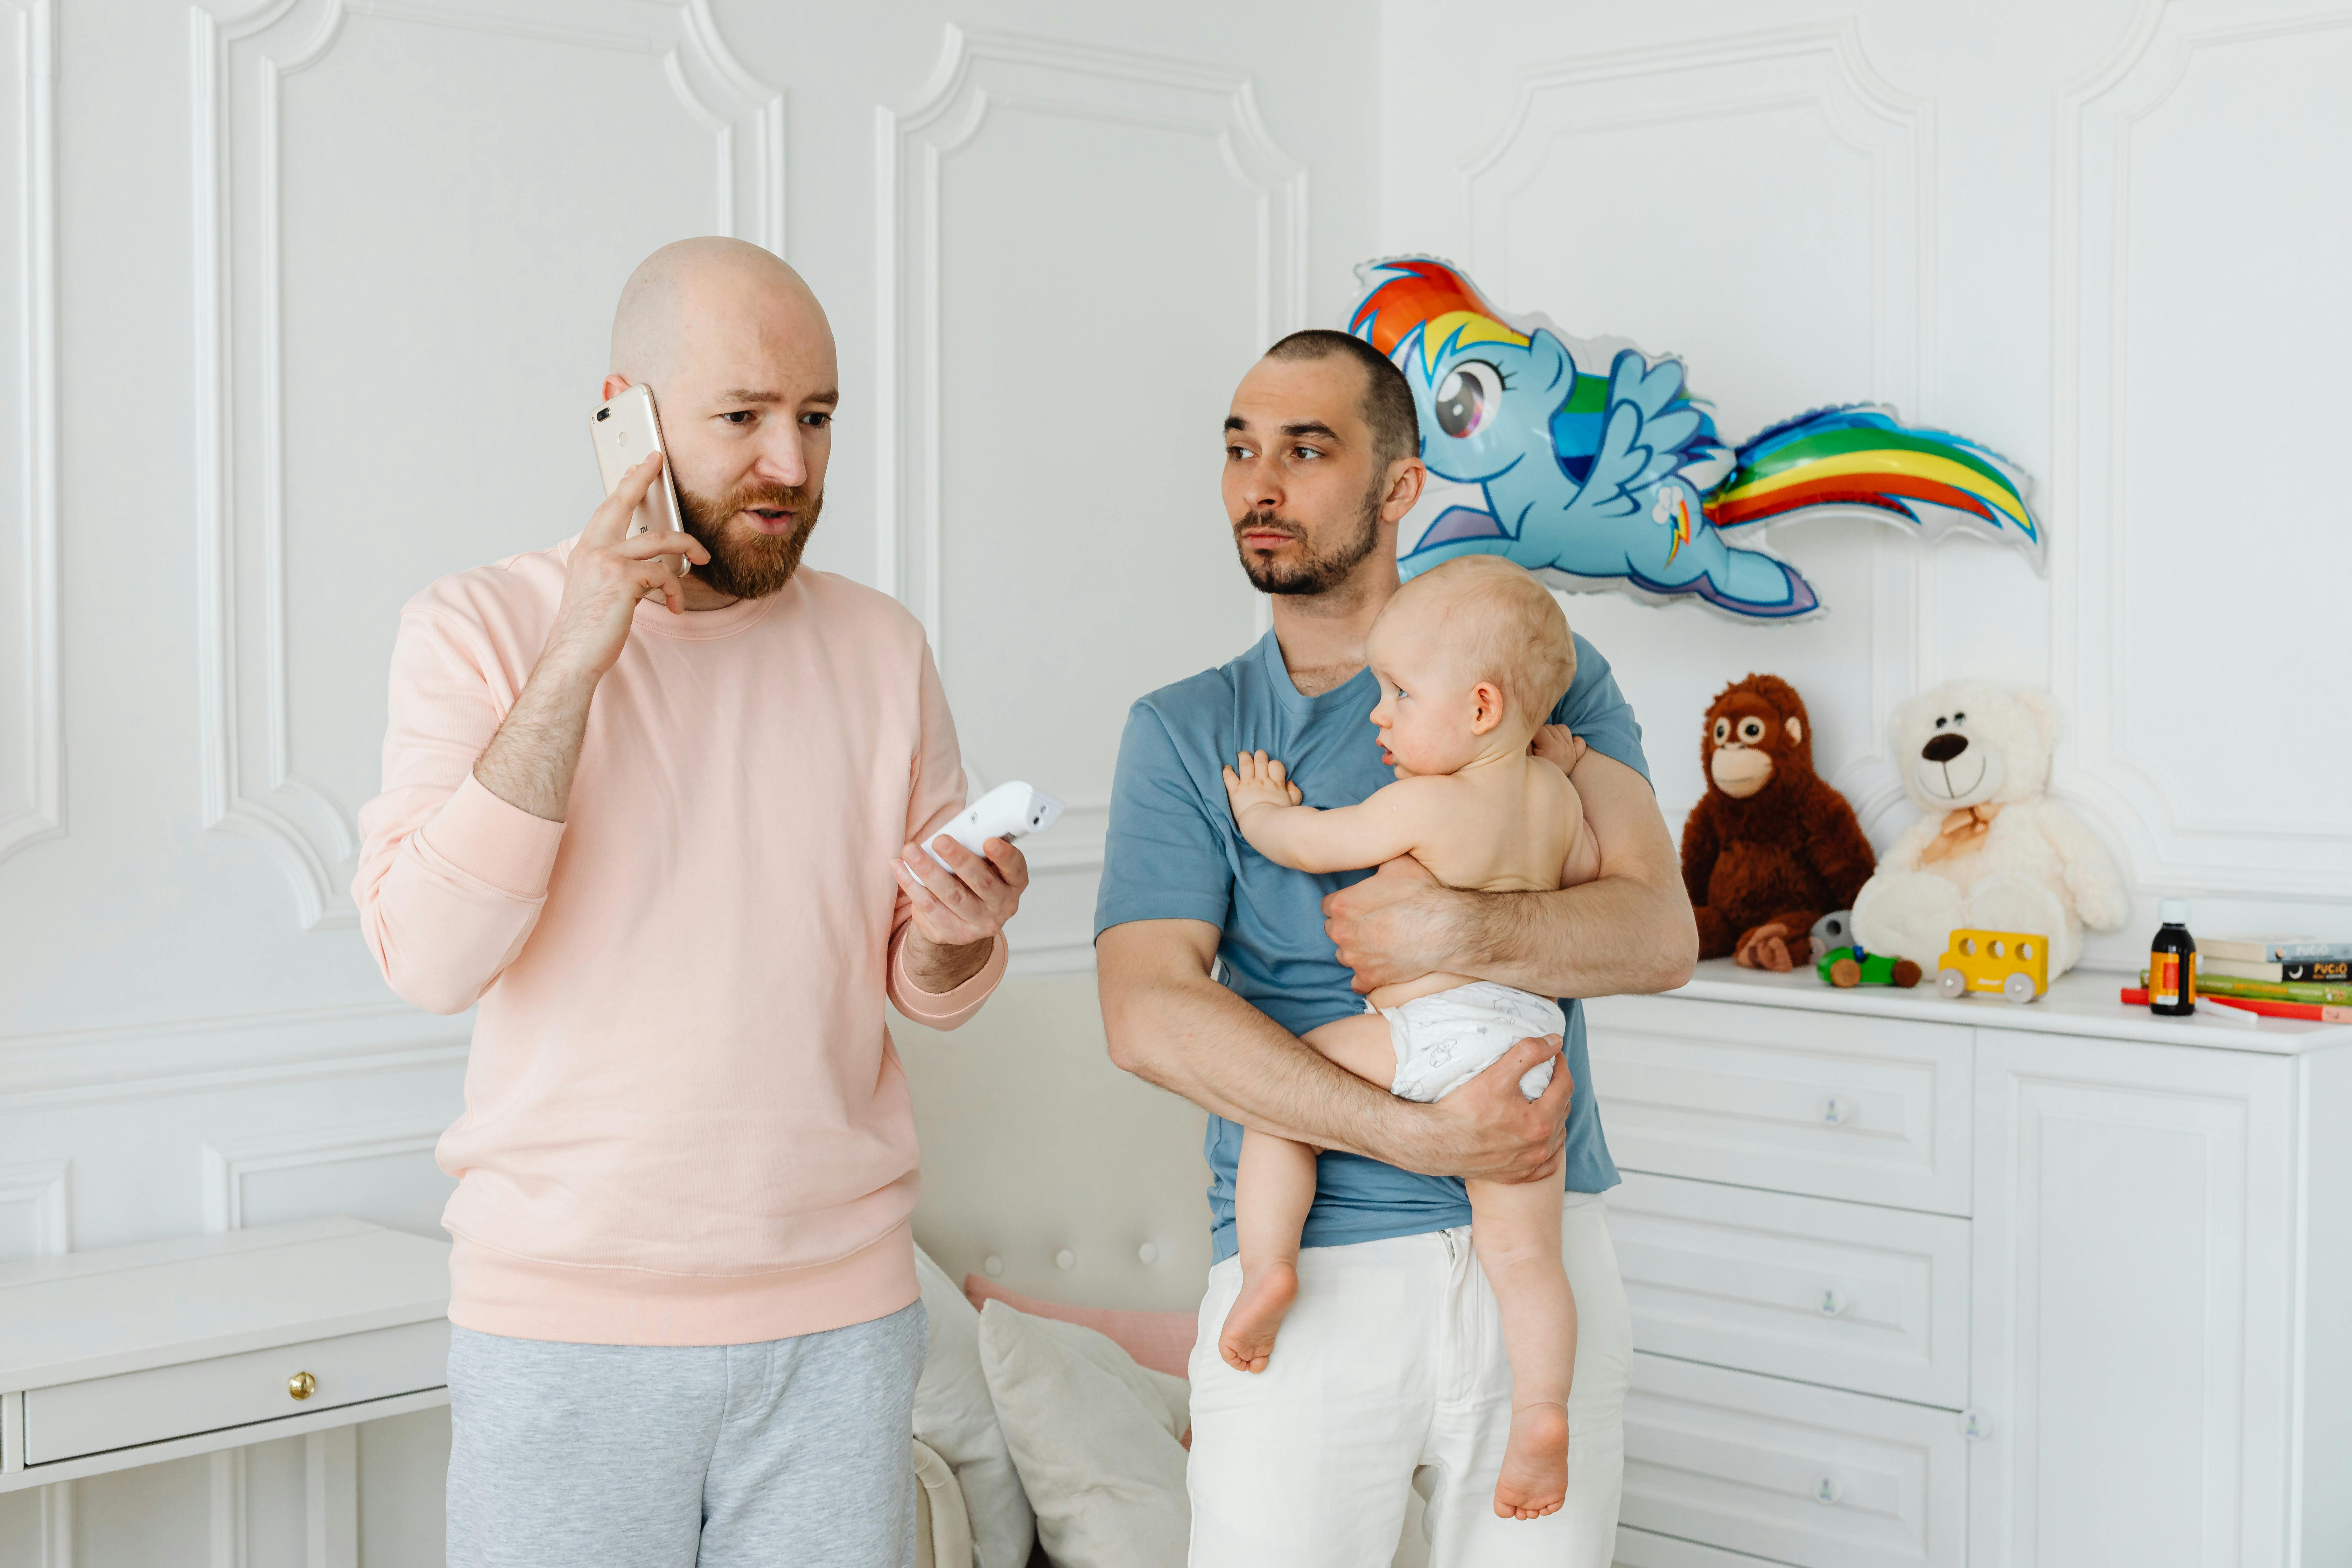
981 74
32 807
977 70
1818 67
2174 844
226 1166
44 1189
239 63
244 1052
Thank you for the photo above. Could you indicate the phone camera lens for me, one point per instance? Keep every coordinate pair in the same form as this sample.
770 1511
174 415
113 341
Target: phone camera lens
604 414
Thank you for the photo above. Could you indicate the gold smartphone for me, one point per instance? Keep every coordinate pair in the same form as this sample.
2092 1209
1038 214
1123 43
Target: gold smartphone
624 429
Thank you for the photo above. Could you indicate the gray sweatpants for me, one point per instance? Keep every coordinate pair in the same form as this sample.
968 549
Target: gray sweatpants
780 1454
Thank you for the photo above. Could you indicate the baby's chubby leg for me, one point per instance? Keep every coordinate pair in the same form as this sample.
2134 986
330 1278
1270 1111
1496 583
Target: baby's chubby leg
1515 1227
1274 1186
1363 1044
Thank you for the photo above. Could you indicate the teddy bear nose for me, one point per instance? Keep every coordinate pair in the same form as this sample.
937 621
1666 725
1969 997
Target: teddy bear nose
1944 747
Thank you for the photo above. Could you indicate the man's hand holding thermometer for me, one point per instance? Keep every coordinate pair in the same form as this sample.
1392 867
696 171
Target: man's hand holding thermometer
972 883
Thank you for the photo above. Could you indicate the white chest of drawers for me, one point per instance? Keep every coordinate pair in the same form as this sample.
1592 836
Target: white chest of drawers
1919 1283
131 1355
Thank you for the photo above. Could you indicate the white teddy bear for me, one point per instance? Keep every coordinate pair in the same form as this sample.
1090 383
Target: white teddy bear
1994 851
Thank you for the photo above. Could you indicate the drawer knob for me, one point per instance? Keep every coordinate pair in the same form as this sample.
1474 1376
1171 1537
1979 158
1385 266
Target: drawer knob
992 1266
1065 1259
1837 1111
1833 1301
1975 1426
301 1385
1148 1253
1827 1491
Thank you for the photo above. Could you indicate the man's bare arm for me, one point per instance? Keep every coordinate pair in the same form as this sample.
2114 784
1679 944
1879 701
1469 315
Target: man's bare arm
530 762
1169 1022
1627 930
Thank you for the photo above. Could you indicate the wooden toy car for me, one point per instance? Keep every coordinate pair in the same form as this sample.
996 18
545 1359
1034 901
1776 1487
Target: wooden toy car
2014 964
1846 967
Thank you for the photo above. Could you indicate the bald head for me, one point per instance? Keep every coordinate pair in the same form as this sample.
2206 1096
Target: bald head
739 360
690 296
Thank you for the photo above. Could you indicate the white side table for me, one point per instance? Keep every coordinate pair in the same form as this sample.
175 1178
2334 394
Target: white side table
136 1354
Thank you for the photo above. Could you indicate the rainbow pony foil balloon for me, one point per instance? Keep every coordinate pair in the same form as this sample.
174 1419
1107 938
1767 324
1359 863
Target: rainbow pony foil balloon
1598 470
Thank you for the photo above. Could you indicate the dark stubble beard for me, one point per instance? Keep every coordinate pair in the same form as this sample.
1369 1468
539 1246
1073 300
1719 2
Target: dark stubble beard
1317 570
745 564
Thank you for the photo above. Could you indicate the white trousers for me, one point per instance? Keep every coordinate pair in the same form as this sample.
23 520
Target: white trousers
1390 1371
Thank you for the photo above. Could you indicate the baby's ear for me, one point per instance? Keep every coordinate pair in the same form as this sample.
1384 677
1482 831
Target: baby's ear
1489 712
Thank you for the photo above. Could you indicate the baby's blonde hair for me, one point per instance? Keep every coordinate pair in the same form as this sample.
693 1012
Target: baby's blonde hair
1501 625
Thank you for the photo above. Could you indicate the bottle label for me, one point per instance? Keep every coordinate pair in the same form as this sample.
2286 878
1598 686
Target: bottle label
2164 979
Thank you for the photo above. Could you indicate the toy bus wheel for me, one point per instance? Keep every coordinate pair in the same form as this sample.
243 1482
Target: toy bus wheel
1907 974
1845 974
1952 983
2019 989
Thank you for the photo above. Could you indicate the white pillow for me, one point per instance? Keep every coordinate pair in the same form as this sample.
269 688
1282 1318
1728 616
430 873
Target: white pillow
1095 1438
954 1416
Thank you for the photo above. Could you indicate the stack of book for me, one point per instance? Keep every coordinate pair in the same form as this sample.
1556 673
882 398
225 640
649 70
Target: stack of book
2285 977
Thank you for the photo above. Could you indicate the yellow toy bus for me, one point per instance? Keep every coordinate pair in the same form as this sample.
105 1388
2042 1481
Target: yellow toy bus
2014 964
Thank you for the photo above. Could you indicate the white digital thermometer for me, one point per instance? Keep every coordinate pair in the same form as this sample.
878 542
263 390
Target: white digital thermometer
1007 812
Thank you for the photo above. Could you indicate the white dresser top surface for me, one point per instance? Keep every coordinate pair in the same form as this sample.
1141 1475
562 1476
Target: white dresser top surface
126 1308
2081 1002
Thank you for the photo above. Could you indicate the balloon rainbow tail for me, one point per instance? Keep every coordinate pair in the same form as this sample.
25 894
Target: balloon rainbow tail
1861 458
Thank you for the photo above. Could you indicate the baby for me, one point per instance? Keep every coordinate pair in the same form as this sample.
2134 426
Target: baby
1472 657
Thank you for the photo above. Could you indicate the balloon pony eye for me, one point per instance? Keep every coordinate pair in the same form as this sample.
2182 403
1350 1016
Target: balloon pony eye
1468 398
1752 730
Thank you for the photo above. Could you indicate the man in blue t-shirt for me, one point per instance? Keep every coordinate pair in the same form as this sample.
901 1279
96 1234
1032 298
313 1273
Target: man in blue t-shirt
1213 961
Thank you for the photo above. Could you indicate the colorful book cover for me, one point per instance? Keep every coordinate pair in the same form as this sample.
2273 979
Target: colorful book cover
2271 991
2317 971
2270 949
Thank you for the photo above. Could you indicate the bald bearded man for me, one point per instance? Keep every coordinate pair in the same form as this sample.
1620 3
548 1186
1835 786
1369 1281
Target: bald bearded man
657 830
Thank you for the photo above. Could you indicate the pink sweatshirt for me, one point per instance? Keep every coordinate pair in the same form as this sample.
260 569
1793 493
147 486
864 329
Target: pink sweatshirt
684 1123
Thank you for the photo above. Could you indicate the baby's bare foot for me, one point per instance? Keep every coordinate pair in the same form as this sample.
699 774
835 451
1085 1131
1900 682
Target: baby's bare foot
1534 1466
1256 1316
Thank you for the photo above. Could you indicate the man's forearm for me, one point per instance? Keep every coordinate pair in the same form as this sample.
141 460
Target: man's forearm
529 763
1610 937
1264 1077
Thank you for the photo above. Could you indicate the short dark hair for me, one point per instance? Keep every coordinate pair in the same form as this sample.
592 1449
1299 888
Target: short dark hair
1388 400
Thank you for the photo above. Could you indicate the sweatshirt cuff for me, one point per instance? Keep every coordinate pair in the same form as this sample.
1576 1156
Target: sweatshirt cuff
942 1009
500 845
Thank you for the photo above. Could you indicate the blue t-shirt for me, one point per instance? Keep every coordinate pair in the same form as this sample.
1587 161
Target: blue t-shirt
1172 853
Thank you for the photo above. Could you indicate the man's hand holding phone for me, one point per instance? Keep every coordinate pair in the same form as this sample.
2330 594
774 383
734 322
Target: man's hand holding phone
609 571
956 910
529 763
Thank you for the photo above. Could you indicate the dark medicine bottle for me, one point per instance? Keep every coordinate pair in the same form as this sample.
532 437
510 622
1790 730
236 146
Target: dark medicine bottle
2172 963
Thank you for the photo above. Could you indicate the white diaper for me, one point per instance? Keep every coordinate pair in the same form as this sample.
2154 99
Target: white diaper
1445 1040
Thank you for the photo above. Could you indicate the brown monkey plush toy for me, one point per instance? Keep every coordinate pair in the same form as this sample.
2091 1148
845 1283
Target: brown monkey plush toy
1769 848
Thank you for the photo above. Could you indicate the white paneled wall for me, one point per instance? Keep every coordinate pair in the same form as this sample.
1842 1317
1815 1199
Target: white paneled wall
304 302
30 799
2096 237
